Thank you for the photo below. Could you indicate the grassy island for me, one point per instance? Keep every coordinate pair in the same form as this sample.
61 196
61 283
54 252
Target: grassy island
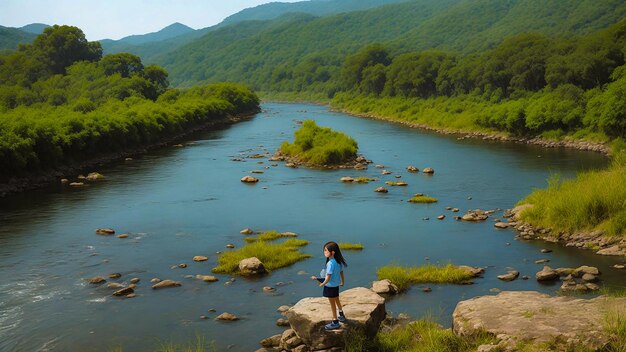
422 199
320 146
272 255
403 277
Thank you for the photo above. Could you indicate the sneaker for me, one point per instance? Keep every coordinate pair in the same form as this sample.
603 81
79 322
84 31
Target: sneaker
341 317
332 325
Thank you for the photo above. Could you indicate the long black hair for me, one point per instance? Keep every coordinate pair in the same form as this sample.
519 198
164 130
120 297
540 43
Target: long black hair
334 247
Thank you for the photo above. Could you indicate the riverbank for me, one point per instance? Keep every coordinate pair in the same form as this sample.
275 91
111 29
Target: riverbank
51 177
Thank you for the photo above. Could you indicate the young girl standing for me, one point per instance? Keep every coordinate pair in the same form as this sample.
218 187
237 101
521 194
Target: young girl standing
332 278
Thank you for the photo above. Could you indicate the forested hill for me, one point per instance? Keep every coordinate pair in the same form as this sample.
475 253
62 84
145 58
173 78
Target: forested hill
315 46
11 37
315 7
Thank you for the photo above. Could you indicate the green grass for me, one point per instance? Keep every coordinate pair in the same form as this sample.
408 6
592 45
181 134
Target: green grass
320 146
424 335
266 236
615 324
363 180
403 277
272 255
423 199
200 345
351 246
595 200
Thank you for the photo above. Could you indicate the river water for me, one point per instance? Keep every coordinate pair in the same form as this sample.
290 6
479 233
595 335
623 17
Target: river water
177 203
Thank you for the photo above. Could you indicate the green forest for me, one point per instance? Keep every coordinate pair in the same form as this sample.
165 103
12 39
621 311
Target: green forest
62 102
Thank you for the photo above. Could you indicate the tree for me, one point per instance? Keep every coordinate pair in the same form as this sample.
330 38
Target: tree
125 64
371 55
60 46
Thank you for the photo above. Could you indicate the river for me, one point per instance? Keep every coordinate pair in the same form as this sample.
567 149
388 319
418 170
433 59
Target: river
177 203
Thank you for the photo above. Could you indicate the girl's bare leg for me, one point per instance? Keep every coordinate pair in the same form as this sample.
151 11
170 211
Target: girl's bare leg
333 307
338 303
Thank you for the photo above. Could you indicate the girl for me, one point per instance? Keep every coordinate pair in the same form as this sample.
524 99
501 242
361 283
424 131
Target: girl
332 278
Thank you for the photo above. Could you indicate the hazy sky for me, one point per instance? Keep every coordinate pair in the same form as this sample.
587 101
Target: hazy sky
114 19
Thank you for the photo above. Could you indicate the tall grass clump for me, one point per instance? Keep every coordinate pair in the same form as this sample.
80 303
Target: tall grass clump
320 145
268 236
273 255
595 200
615 325
423 200
403 277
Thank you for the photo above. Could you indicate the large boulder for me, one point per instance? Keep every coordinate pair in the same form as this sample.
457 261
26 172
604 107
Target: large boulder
528 316
251 266
363 308
384 286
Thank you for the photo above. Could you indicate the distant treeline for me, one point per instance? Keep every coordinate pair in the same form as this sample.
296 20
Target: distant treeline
61 102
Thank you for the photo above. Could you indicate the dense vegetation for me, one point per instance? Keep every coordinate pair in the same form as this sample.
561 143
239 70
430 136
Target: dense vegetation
11 37
62 102
595 200
320 146
403 277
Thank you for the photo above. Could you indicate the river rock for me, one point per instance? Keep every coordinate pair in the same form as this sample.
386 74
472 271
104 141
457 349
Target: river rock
105 231
115 276
283 308
114 285
251 266
441 217
386 172
542 261
614 250
200 258
123 292
227 317
134 280
474 271
412 169
207 278
384 287
363 307
97 280
166 283
230 245
249 179
580 271
528 316
273 341
282 322
381 190
246 231
124 235
501 225
77 184
346 179
475 215
510 276
547 274
428 170
155 280
589 277
94 176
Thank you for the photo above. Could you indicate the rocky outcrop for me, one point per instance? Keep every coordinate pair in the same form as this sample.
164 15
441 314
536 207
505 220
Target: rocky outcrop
528 316
249 179
363 308
384 287
166 283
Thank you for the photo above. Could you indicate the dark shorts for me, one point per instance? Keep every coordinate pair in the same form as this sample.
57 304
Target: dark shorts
331 291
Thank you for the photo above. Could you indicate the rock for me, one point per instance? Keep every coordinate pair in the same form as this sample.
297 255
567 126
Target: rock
346 179
94 176
510 276
77 184
475 271
428 170
282 322
475 215
283 309
124 235
589 277
132 286
114 285
289 234
64 181
134 280
155 280
97 280
182 265
207 278
547 274
427 289
580 271
166 283
251 266
455 210
123 292
542 261
364 308
115 276
230 245
246 231
515 212
412 169
441 217
289 340
268 289
131 295
527 316
544 250
249 179
487 348
257 172
381 190
273 341
227 317
200 258
105 231
384 287
619 266
501 225
386 172
614 250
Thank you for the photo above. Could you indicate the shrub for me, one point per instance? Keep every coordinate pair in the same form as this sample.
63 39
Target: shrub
405 276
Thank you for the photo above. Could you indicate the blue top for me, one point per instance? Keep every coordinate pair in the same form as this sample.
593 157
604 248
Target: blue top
333 269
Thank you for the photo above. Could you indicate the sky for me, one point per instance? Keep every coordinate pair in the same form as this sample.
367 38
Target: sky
115 19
